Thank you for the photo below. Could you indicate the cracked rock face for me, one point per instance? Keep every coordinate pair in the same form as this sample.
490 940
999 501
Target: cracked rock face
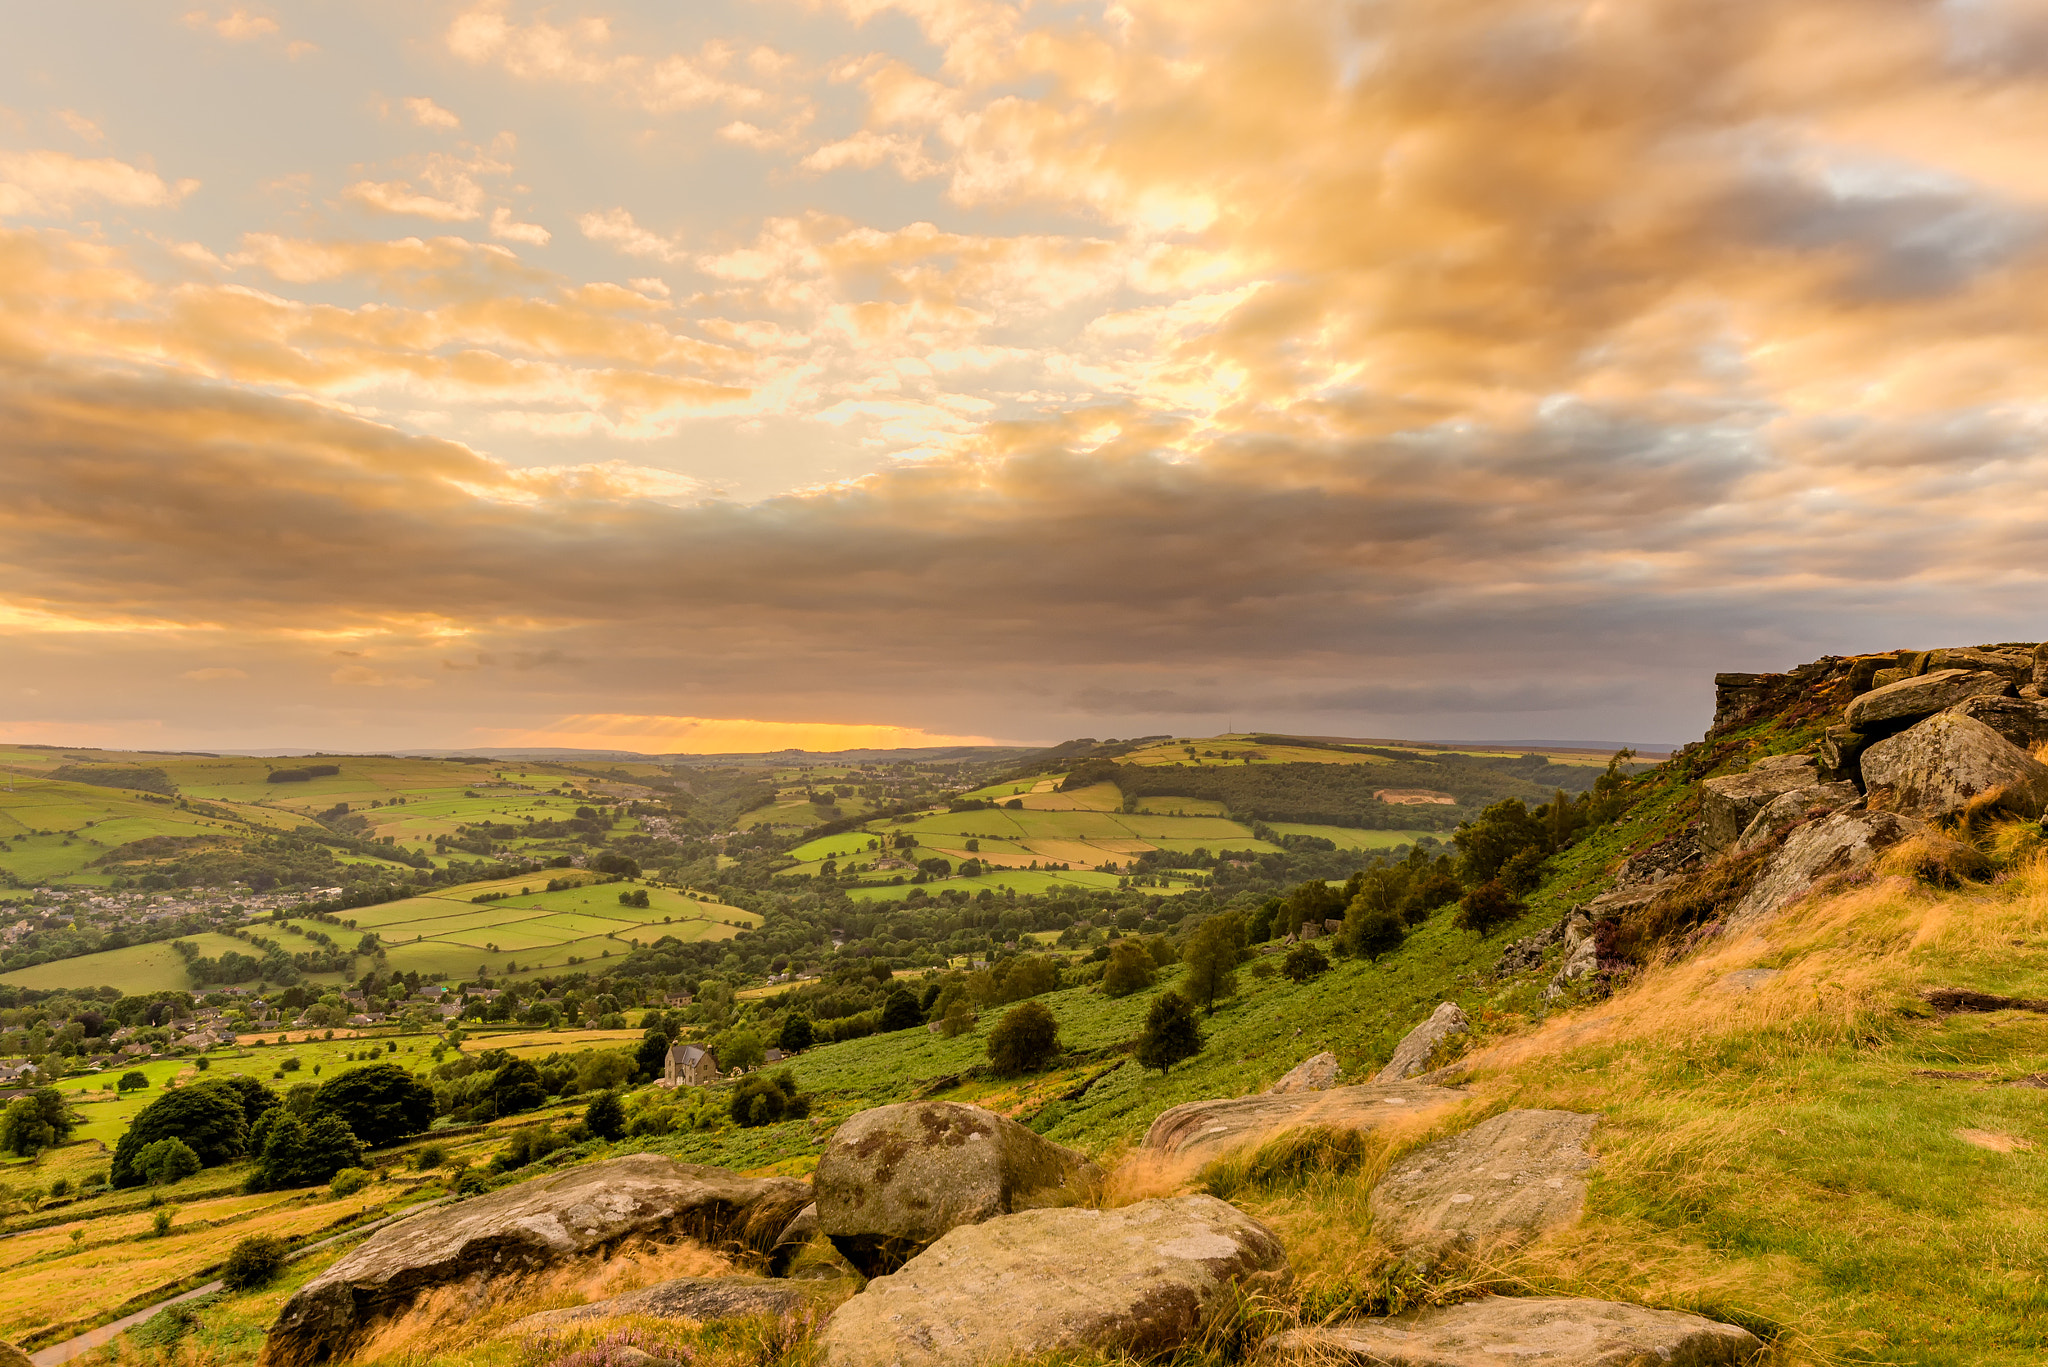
703 1300
1555 1331
895 1178
1203 1130
1141 1280
1842 843
521 1228
1934 769
1815 798
1497 1185
1904 701
1729 803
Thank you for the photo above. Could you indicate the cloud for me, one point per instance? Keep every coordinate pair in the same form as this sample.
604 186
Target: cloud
214 673
362 676
715 736
427 114
505 226
237 26
44 182
580 53
617 228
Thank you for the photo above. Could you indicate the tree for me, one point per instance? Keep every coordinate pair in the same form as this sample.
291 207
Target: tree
738 1049
900 1012
1025 1040
296 1154
167 1161
23 1130
958 1018
209 1118
1209 961
517 1087
254 1097
605 1117
1130 969
1304 962
132 1080
1373 931
797 1035
1493 837
255 1261
1428 892
1170 1033
766 1098
1488 906
381 1104
650 1060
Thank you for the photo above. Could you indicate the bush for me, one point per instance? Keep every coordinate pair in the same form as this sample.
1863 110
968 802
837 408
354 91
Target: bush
348 1182
167 1161
209 1118
1373 931
1130 969
605 1117
160 1223
1488 907
380 1104
528 1144
1025 1040
1304 962
901 1012
1170 1033
764 1099
255 1261
427 1157
797 1034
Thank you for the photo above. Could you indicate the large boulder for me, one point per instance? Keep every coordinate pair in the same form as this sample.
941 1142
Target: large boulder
895 1178
1141 1280
2022 721
1897 705
1556 1331
1581 949
1843 843
531 1225
1816 799
1497 1185
1936 768
1729 803
2040 684
1424 1047
1318 1073
704 1300
1198 1131
2014 665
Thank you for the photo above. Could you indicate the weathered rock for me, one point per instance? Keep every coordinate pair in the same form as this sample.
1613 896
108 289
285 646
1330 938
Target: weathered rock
2040 684
1581 950
1497 1185
795 1236
1666 859
893 1179
1934 769
1841 754
2022 721
1139 1280
11 1356
703 1299
1729 803
518 1228
1897 705
1556 1331
1815 798
1842 843
2014 666
1202 1130
1316 1074
1424 1047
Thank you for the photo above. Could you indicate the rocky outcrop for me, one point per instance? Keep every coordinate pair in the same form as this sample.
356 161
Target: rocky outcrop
1816 799
2022 721
1898 705
1316 1074
893 1179
704 1300
1141 1280
2014 665
532 1225
1936 768
1842 843
1729 803
1201 1130
1666 859
1497 1185
1426 1046
1581 952
1555 1331
795 1237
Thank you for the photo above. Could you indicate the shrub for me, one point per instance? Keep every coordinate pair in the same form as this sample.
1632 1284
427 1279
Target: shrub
427 1157
1373 931
381 1104
160 1223
209 1118
797 1034
1025 1040
1130 969
764 1099
1304 962
900 1012
348 1182
61 1187
1170 1033
605 1117
253 1262
528 1144
167 1161
1488 907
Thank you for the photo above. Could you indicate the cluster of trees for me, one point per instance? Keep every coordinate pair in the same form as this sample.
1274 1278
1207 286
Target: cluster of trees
35 1122
305 773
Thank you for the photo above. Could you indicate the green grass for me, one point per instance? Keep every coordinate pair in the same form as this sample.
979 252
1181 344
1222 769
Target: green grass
135 969
1346 838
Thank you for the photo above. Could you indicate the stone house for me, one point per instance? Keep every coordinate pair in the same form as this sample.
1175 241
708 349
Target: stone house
689 1065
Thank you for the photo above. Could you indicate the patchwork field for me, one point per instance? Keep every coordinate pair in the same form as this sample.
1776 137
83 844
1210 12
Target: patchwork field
136 969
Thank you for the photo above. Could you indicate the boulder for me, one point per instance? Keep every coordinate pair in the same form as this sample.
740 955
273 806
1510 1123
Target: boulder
1497 1185
1897 705
1729 803
1423 1048
795 1237
1842 843
1556 1331
2040 684
2022 721
1666 859
2014 666
1934 769
893 1179
1141 1280
1817 798
531 1225
1581 950
1317 1074
1841 754
702 1299
1202 1130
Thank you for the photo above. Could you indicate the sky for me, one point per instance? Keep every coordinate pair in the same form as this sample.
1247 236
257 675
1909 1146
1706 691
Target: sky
747 373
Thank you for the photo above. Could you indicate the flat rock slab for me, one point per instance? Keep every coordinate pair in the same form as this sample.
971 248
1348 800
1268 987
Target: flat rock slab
895 1178
704 1300
1315 1074
1202 1130
1554 1331
1140 1280
1897 704
1816 799
524 1227
1934 769
1842 843
1729 803
1497 1185
1420 1049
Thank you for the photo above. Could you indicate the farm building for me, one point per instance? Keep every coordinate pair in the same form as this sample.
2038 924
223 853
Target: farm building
689 1065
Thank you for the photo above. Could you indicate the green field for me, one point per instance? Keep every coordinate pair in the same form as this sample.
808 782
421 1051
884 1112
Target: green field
136 969
1345 838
